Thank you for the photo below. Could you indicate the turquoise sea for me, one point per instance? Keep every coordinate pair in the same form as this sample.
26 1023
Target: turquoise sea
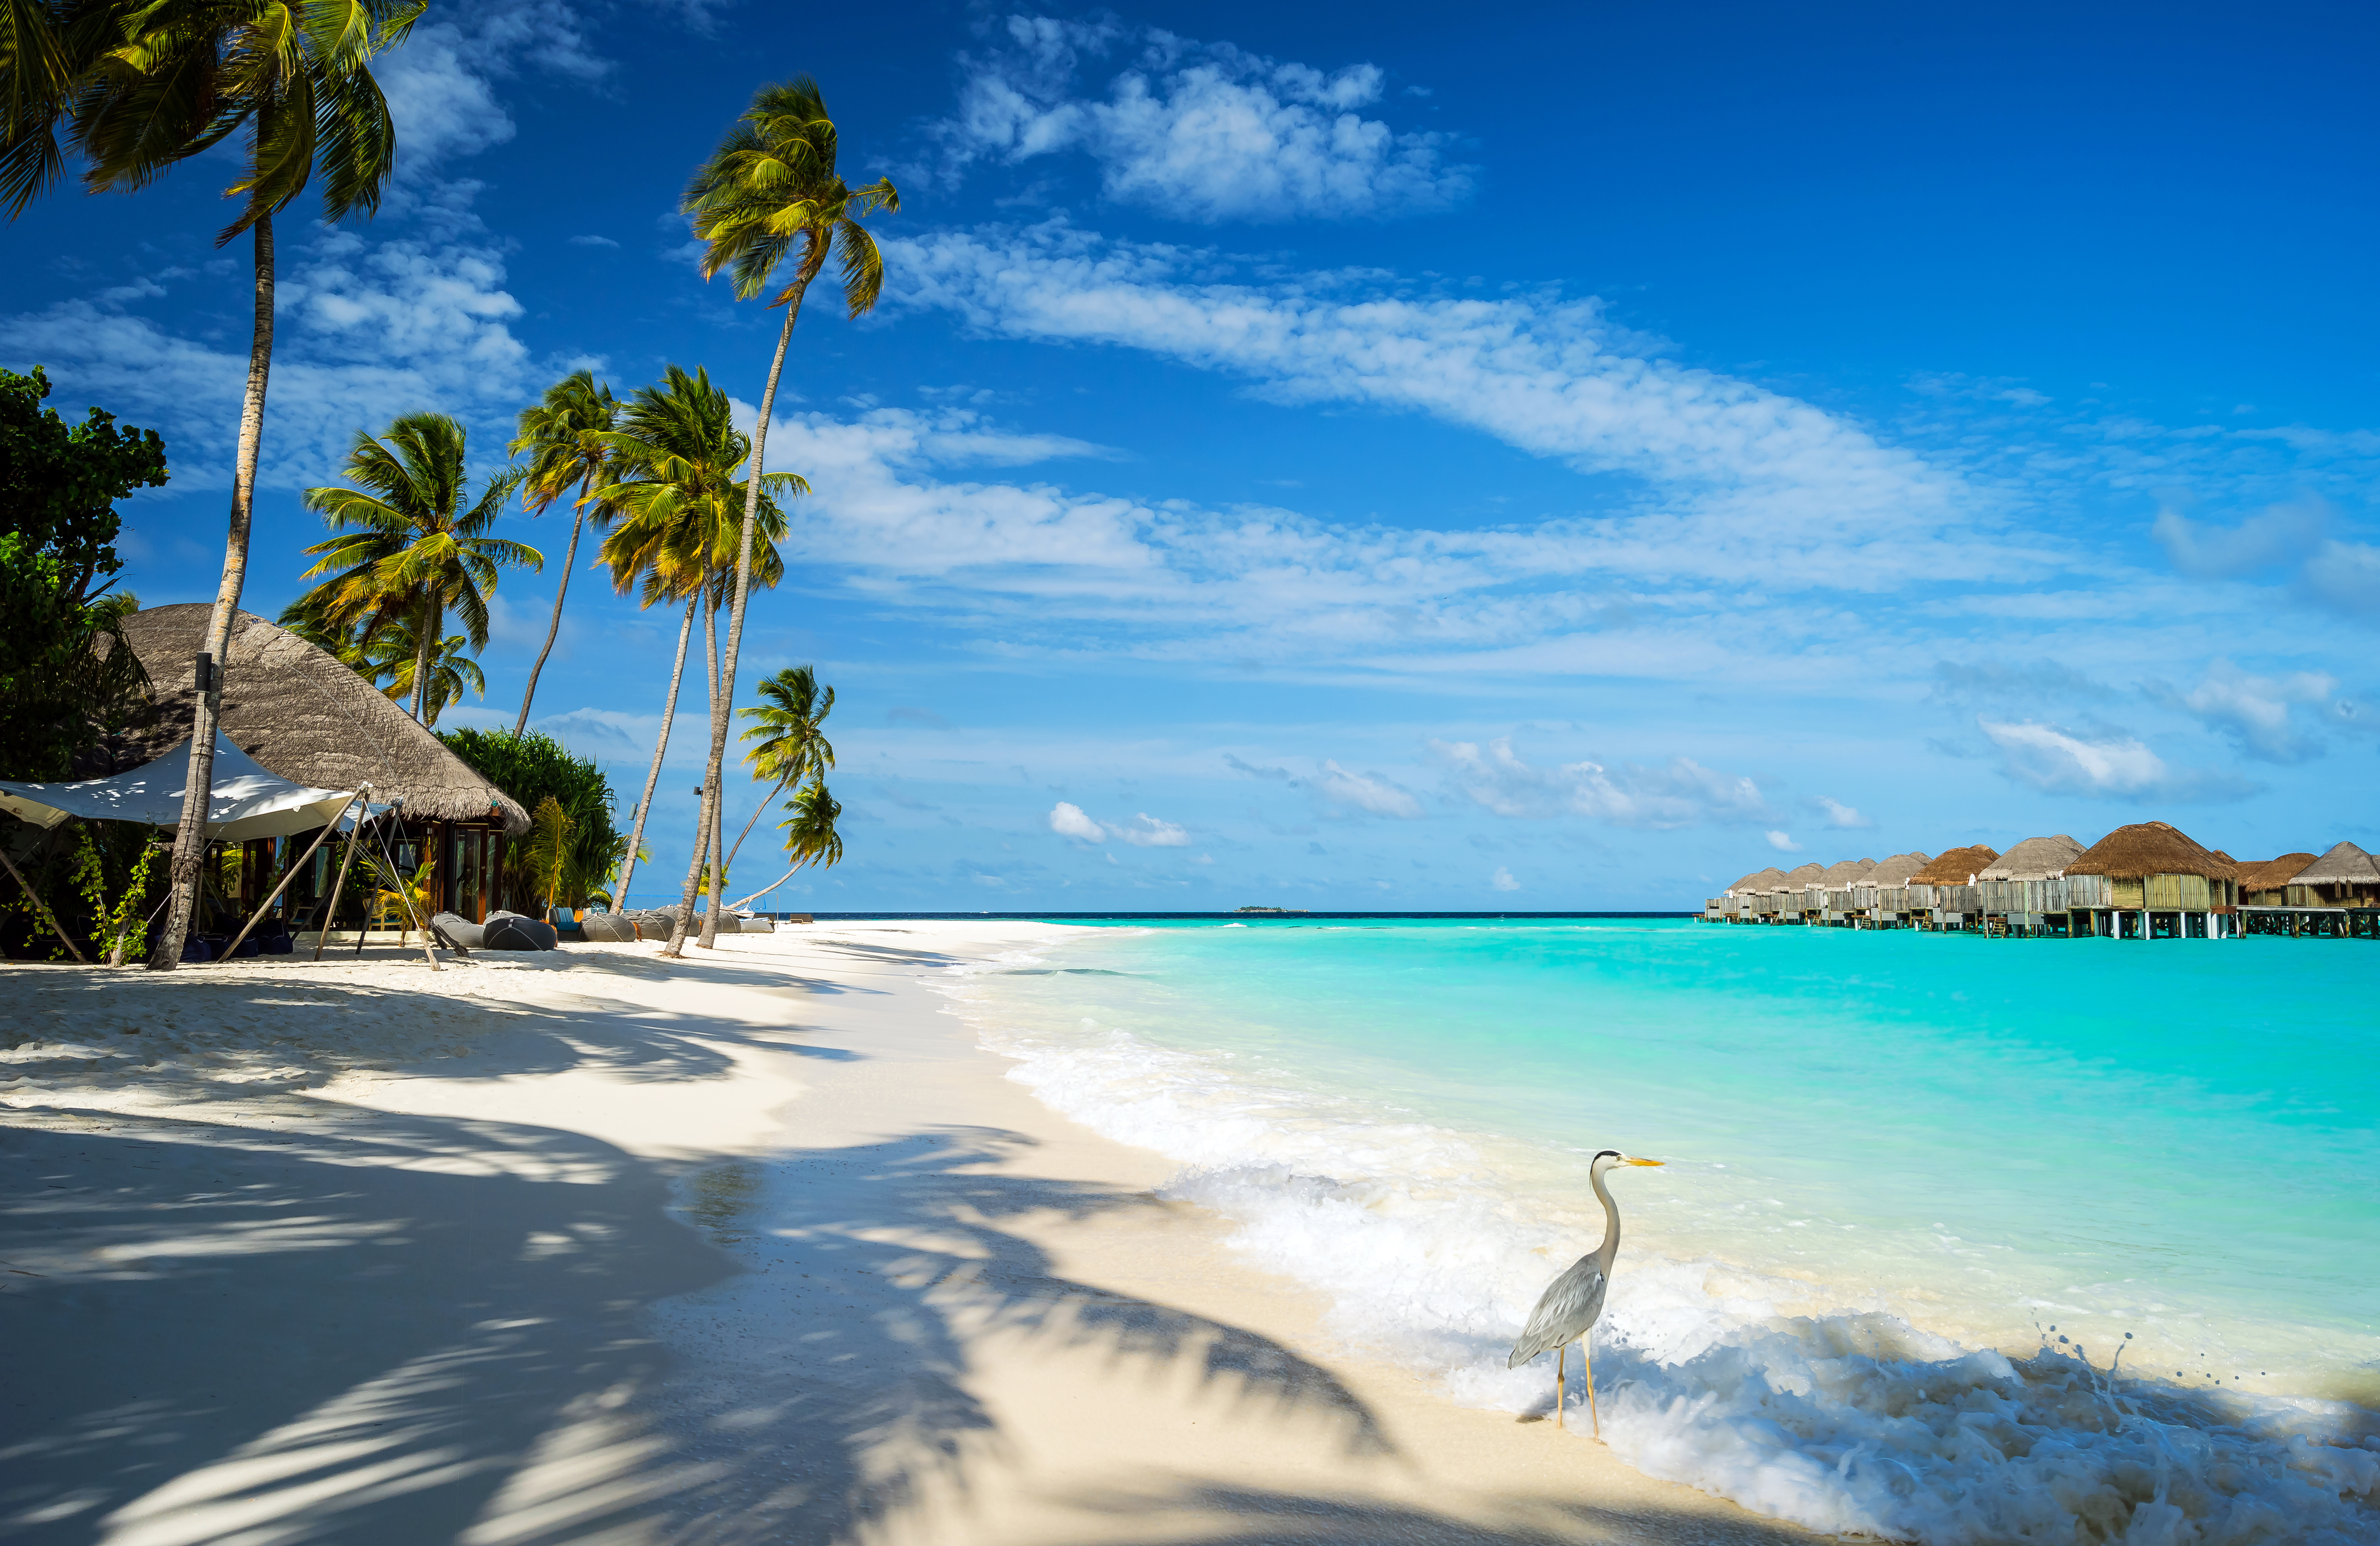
1919 1191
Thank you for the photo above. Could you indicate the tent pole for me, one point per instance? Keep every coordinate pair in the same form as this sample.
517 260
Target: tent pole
288 875
43 907
331 909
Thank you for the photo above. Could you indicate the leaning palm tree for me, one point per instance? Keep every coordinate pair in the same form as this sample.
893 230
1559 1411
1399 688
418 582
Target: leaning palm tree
791 744
680 508
770 194
563 435
394 655
408 551
138 87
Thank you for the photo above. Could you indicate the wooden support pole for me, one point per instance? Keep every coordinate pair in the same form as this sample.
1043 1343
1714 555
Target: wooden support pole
331 909
286 876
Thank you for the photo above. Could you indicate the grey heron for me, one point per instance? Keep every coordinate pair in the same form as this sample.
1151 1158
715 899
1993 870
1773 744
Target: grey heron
1568 1308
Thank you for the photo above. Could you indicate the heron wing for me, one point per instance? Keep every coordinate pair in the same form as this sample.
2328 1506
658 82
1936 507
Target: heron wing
1564 1312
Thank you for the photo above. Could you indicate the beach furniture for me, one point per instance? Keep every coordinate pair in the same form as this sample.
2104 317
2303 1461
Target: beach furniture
2020 900
2150 881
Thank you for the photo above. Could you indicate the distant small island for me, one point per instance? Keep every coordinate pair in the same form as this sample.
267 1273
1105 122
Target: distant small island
1268 909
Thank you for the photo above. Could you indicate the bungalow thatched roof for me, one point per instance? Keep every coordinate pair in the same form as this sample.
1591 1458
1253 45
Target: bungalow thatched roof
2345 864
1841 875
2035 858
1896 871
1957 867
1801 877
1759 880
303 716
2148 849
2273 874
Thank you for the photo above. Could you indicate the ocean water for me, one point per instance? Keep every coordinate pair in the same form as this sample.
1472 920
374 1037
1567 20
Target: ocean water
1956 1240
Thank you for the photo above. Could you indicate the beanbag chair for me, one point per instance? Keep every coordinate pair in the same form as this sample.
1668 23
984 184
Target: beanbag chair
607 927
512 932
755 926
457 932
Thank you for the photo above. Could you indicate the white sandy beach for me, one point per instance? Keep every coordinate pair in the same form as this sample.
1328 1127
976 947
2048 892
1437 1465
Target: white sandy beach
589 1247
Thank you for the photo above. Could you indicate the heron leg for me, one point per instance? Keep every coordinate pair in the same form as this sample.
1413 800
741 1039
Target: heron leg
1586 1356
1560 1354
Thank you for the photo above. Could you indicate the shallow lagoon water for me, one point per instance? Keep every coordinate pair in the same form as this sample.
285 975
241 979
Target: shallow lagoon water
1951 1143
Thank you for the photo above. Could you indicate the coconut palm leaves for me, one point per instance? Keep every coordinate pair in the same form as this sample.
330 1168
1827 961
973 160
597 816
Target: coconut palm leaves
137 86
409 552
770 194
810 837
791 744
564 436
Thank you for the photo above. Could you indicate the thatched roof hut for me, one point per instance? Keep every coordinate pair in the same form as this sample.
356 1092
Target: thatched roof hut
2272 875
1837 876
2148 849
1957 867
300 714
2035 858
1758 880
2345 864
1802 876
1896 871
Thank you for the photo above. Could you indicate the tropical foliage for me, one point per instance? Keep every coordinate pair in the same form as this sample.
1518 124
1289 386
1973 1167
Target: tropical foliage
408 551
536 770
788 734
59 485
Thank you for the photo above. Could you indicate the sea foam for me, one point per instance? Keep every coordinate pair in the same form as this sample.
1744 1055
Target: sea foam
1845 1419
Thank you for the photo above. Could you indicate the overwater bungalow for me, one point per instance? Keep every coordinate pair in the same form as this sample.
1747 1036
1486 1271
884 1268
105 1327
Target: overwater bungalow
2264 883
2150 881
299 712
1791 901
1736 903
2021 898
2345 877
1881 898
1835 891
1944 894
2336 896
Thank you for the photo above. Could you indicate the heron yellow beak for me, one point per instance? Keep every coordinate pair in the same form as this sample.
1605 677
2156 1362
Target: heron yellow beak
1634 1161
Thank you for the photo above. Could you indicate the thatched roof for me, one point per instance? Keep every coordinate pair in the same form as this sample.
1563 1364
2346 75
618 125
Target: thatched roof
1759 880
1896 871
1957 867
2345 864
2035 858
303 716
1802 876
1841 875
2148 849
2273 874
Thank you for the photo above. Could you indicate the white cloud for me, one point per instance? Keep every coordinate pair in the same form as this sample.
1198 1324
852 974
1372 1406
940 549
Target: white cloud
2281 534
1198 131
591 242
1364 791
1840 815
1682 794
1067 819
1783 842
1746 484
2110 764
1148 832
1502 879
2255 711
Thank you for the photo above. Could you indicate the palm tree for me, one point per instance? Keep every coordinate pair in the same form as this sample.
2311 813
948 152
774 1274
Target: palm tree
409 552
770 192
792 746
393 654
138 87
680 508
563 435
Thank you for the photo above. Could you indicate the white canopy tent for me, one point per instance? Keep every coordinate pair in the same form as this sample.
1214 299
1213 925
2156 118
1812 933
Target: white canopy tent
245 801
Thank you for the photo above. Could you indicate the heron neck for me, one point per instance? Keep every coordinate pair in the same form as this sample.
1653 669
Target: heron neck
1610 1250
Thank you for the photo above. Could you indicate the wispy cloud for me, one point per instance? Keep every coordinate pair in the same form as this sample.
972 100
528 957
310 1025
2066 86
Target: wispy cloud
1683 792
1196 131
2257 713
1369 793
2108 764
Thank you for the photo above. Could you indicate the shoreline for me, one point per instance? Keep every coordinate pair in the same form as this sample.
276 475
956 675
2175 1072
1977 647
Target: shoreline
417 1226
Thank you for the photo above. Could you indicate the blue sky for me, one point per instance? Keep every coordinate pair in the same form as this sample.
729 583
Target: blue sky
1311 457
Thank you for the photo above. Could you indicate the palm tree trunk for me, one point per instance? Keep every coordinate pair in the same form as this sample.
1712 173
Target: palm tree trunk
560 590
191 838
429 625
703 822
755 817
652 779
722 713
